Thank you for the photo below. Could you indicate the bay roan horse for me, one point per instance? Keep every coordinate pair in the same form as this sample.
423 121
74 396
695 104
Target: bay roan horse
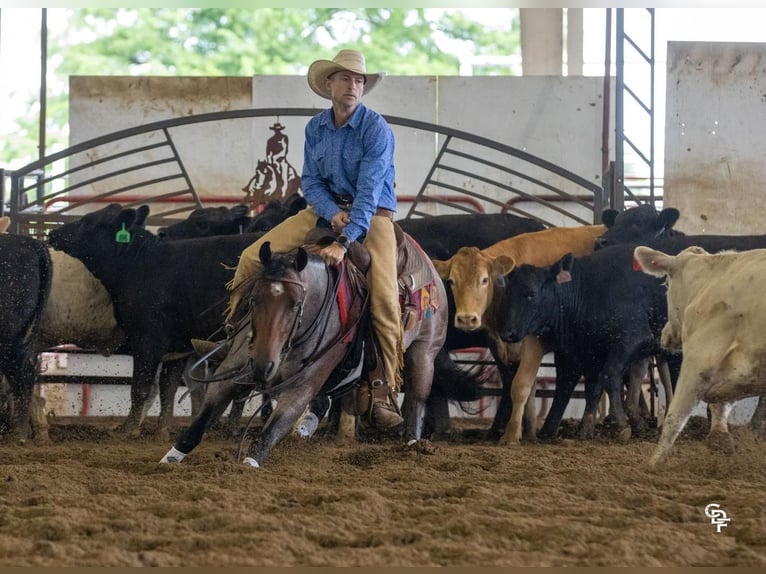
300 337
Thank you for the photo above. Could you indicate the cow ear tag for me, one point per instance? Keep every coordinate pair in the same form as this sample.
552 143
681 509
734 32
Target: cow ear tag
563 276
123 235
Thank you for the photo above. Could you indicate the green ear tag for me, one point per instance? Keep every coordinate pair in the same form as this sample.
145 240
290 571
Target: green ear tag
123 235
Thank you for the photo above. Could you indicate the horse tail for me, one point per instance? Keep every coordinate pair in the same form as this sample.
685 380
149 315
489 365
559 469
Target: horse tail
454 383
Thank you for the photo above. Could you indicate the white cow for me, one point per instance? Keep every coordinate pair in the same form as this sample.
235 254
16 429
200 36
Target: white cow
79 309
717 316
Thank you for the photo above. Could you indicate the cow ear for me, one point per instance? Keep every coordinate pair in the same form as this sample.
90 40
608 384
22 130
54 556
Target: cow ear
127 217
563 269
652 262
608 216
239 211
301 259
503 265
141 214
667 218
442 268
264 254
500 281
295 203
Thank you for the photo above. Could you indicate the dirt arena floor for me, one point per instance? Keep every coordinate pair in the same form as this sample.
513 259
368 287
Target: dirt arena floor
89 499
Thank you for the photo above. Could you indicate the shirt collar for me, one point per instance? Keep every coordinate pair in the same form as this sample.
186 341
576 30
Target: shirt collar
354 121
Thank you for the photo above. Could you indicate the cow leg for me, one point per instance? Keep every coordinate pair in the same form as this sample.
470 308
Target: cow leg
170 376
144 370
522 392
637 374
346 428
685 399
610 380
666 378
718 438
21 373
567 377
504 407
758 420
37 417
217 398
593 394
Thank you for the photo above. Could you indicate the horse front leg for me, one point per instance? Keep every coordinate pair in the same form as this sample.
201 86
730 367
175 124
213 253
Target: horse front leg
291 404
217 398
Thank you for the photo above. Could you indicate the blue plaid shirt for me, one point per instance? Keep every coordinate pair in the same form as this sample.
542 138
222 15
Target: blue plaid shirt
355 160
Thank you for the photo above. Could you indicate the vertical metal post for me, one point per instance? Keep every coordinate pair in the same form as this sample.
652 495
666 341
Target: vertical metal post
619 128
43 81
606 183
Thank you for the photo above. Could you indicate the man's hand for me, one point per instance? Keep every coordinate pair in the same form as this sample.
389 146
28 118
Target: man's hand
339 221
333 253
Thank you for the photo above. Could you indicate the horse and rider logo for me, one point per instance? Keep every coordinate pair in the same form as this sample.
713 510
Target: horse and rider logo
275 177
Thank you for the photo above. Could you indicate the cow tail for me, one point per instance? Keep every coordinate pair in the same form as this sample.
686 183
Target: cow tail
44 289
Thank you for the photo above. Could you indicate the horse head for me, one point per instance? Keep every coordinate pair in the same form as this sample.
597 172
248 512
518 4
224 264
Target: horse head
282 311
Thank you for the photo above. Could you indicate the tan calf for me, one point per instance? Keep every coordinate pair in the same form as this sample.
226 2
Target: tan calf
718 315
471 274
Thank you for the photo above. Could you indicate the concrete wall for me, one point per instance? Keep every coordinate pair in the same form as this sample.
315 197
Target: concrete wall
556 118
714 142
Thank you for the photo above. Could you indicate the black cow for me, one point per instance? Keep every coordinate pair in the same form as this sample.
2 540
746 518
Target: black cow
165 293
637 224
207 221
25 273
601 314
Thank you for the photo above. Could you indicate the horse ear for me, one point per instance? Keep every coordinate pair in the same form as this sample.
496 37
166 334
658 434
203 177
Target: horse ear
301 259
265 252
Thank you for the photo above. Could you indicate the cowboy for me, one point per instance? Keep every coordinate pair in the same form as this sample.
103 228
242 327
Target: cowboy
348 181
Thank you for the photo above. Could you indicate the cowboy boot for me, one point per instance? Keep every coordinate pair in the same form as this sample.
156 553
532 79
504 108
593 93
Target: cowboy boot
376 403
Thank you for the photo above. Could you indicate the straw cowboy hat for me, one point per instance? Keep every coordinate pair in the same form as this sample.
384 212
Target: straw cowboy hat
348 60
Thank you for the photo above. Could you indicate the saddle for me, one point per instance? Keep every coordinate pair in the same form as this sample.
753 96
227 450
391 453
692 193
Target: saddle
415 275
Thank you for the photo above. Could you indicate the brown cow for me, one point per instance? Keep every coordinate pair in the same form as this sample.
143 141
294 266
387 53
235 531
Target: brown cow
472 273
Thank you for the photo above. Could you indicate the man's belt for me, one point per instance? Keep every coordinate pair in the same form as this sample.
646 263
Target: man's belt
346 201
343 201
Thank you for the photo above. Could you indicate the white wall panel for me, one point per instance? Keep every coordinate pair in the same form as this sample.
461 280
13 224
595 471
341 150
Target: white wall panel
715 149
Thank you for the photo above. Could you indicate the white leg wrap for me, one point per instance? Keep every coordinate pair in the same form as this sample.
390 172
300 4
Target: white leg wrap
173 455
251 462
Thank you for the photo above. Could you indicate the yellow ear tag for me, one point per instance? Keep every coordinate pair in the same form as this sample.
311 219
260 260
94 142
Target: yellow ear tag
123 235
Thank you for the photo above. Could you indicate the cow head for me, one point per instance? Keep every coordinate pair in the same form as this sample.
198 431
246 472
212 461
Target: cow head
637 225
275 212
97 230
472 276
207 221
528 298
672 267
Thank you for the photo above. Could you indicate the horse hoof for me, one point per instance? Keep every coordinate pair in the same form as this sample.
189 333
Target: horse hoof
172 456
720 441
250 461
509 441
624 434
421 446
